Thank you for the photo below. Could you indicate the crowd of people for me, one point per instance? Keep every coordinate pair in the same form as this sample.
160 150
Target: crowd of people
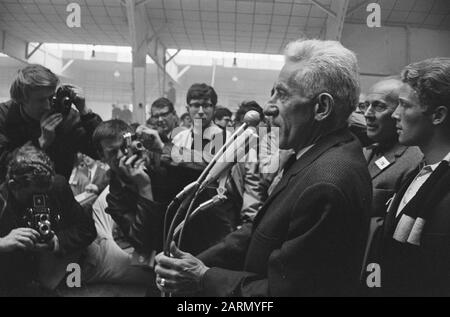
341 181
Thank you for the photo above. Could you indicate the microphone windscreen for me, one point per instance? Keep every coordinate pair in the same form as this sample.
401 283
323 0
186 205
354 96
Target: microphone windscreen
252 118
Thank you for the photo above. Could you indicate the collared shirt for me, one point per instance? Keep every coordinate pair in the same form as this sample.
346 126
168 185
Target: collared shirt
184 141
418 182
280 174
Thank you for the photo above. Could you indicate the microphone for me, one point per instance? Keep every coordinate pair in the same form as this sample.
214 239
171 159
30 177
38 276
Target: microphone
235 152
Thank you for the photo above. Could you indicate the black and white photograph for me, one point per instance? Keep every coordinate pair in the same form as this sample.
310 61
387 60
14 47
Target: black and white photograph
221 155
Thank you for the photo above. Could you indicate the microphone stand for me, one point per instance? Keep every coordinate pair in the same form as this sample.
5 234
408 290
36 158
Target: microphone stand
198 186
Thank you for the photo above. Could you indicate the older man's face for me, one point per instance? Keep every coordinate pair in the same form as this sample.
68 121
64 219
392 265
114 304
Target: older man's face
296 116
381 103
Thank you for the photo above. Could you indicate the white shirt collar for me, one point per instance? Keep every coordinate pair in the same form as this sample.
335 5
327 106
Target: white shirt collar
434 166
303 151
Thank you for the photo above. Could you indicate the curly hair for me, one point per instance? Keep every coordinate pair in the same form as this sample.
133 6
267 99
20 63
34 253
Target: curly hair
30 166
430 79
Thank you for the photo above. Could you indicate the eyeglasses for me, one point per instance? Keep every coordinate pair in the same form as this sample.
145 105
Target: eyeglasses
203 105
163 115
377 106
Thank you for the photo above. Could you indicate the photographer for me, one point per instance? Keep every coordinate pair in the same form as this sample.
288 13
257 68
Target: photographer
36 114
32 193
130 200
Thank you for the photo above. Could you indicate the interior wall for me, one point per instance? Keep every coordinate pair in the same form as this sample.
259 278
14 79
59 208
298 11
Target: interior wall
385 51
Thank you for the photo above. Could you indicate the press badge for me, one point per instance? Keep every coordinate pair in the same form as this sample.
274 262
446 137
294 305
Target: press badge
382 163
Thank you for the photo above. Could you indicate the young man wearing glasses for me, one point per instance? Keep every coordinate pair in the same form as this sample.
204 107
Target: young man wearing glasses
389 162
201 104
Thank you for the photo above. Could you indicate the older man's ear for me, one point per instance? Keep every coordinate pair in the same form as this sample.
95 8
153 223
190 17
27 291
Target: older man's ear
323 107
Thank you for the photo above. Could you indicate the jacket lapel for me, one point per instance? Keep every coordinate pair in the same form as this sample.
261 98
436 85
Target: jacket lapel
309 157
391 156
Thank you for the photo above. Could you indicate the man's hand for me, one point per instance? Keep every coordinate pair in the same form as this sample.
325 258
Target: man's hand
78 99
48 126
92 188
50 246
20 238
134 170
152 134
182 273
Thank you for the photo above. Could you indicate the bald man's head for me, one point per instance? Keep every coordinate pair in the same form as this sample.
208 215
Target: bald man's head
382 99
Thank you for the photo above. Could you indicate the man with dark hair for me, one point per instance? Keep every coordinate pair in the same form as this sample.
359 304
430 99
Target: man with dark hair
389 162
201 104
185 121
31 192
308 238
30 117
415 258
163 118
222 117
130 200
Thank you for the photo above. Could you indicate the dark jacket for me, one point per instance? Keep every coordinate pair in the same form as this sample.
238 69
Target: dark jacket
139 219
73 135
409 270
75 231
308 239
386 181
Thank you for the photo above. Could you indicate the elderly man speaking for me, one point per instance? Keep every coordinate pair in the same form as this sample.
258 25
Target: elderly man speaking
308 238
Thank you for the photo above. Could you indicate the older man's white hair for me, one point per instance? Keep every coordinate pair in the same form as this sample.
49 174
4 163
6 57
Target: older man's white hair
327 67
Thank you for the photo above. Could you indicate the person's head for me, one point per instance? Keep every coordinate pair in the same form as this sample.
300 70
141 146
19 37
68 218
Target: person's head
114 106
163 115
30 171
186 120
380 104
245 107
316 91
125 107
361 103
201 102
170 84
33 87
222 117
424 102
89 161
108 140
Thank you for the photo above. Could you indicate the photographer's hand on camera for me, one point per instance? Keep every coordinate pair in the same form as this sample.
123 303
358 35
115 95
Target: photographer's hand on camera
79 100
134 169
156 143
50 246
48 127
19 239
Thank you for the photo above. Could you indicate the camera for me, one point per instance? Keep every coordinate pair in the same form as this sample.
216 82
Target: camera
132 145
40 218
62 101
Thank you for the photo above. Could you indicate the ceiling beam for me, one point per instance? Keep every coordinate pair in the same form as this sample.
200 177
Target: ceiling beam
143 37
18 49
357 6
335 25
324 8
